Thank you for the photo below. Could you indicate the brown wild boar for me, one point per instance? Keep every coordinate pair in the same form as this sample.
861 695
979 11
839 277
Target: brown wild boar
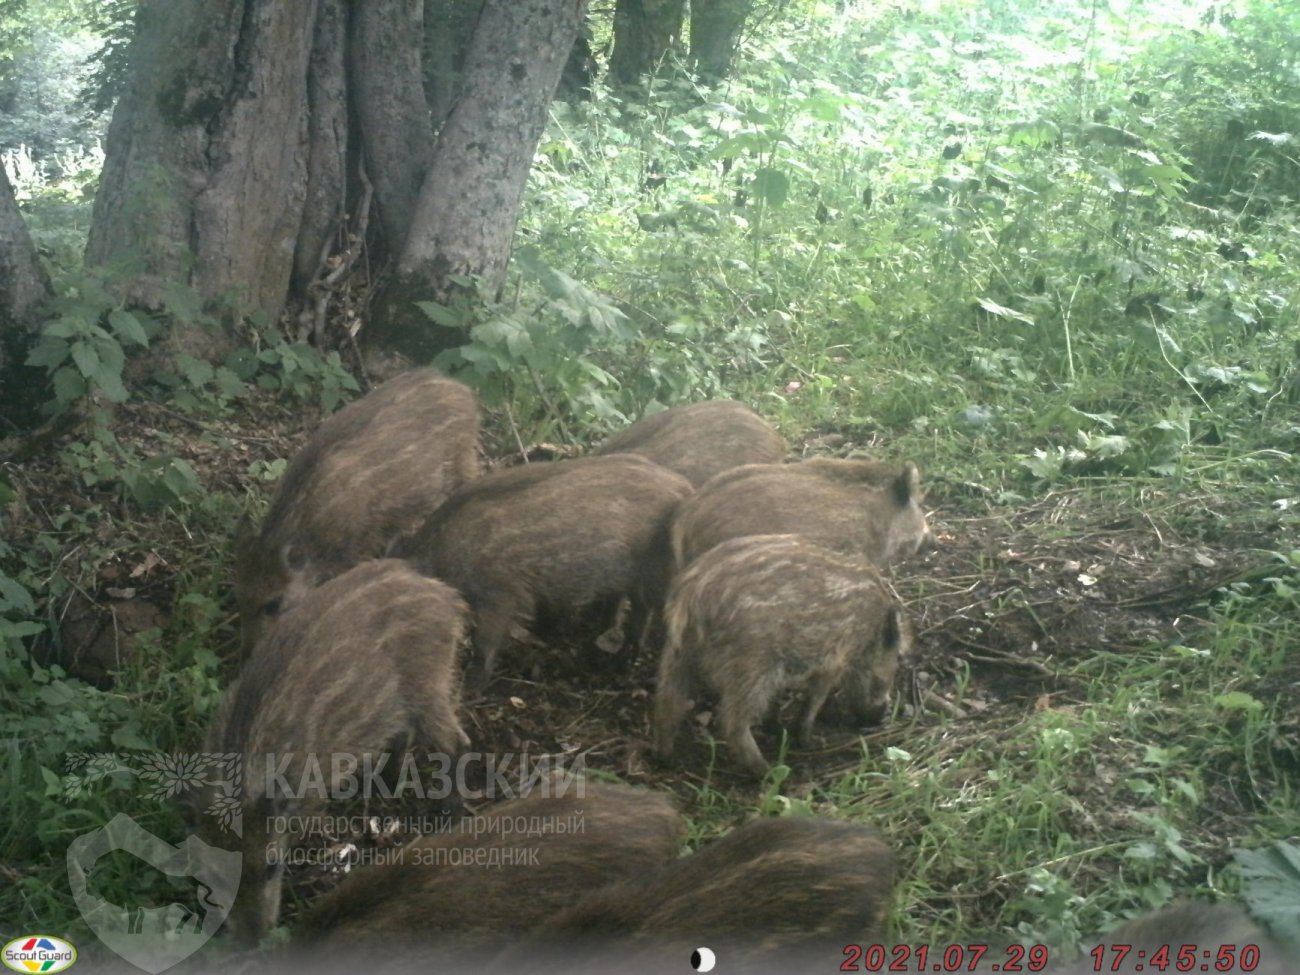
1209 930
362 665
782 894
372 471
450 896
849 506
548 541
700 439
765 613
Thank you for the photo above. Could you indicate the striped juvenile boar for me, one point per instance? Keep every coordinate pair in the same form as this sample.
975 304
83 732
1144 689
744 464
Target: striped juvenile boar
372 471
548 541
700 439
779 895
857 507
757 615
364 664
451 896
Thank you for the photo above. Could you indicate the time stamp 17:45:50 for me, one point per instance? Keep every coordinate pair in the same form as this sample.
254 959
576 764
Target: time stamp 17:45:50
1018 958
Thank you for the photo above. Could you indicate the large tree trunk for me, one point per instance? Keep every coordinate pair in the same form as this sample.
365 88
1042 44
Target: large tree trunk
205 168
23 282
325 205
465 220
255 137
449 25
388 90
715 34
644 30
23 288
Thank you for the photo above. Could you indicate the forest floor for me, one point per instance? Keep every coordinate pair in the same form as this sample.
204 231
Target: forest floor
1018 595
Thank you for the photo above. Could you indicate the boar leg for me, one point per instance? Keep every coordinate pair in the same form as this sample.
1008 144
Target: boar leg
818 690
736 717
672 702
494 612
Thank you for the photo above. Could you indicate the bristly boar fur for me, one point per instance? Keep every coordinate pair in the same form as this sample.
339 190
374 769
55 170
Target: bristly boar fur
548 539
782 894
1205 927
700 439
365 665
765 613
371 472
462 894
849 506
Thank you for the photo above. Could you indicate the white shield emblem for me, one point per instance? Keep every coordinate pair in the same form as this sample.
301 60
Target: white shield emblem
155 938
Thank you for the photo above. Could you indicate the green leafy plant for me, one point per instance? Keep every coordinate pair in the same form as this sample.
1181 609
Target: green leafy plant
546 351
84 346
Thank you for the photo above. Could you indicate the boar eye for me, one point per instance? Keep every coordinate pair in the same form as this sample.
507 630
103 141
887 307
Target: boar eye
271 607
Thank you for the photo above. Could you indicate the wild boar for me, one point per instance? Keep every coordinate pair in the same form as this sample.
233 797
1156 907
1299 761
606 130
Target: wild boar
850 506
372 471
455 895
1207 928
757 615
783 894
548 541
700 439
362 665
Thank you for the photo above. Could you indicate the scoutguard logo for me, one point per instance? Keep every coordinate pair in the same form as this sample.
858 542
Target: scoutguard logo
38 953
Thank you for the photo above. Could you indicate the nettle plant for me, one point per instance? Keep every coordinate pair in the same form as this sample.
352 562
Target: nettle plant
84 347
540 358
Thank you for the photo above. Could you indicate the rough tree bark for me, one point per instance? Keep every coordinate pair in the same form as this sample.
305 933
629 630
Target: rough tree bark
325 203
255 138
24 286
465 220
23 282
644 30
449 25
388 91
715 34
205 167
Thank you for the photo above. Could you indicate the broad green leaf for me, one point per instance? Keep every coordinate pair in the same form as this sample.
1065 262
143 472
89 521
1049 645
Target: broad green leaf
20 630
109 382
179 476
772 185
110 355
198 372
69 386
228 383
49 352
14 595
127 327
64 328
86 358
1271 886
441 314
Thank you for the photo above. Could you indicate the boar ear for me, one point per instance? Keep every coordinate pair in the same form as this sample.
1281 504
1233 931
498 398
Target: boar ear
907 486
